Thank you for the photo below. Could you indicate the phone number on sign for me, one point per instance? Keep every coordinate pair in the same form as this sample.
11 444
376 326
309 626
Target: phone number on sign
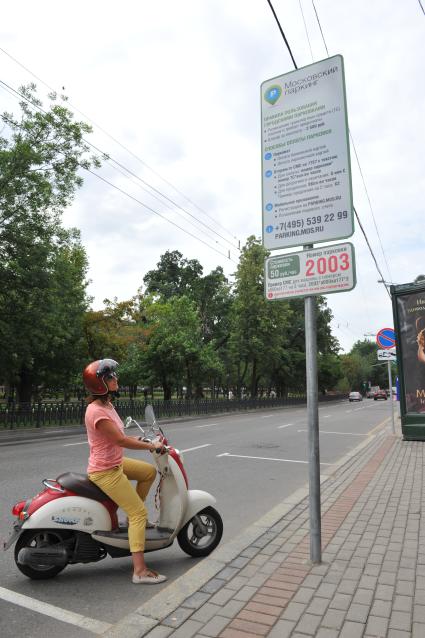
313 221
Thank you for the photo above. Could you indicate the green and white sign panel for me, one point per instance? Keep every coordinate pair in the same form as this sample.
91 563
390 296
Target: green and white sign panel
318 271
306 174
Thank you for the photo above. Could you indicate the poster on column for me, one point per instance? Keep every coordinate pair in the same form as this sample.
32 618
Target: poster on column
306 173
410 312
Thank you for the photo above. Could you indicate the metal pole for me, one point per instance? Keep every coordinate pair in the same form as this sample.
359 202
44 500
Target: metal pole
390 381
313 429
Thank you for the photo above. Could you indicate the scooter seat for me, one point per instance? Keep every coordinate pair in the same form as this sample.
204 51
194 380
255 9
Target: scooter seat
81 485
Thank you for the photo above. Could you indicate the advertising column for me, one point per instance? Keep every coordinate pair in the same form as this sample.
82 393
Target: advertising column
409 321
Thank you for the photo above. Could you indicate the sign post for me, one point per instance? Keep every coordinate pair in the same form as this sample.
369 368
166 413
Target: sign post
307 198
313 430
386 340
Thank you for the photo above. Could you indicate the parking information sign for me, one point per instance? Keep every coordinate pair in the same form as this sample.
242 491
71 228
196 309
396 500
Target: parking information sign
386 338
317 271
306 175
386 355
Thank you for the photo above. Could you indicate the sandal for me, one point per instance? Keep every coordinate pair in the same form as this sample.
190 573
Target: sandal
150 577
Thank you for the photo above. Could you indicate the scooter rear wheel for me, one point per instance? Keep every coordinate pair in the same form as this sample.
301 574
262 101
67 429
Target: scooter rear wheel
40 538
200 541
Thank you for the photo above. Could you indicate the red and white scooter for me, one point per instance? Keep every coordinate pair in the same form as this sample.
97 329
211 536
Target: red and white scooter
73 521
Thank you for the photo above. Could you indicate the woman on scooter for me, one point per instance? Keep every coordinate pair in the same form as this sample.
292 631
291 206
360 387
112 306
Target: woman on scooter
110 470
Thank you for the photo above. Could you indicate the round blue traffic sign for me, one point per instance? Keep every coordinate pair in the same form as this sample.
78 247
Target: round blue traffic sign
386 338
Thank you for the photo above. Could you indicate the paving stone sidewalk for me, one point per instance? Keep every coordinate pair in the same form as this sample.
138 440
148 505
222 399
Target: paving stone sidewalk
372 579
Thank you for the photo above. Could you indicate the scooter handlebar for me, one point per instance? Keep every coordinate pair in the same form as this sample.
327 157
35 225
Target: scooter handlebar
160 450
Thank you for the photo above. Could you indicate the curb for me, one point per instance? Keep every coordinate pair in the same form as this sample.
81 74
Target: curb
144 618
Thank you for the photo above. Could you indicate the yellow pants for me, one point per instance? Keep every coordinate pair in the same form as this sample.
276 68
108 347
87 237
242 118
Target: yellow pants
116 484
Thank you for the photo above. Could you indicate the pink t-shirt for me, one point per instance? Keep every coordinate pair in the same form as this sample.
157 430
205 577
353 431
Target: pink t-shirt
104 454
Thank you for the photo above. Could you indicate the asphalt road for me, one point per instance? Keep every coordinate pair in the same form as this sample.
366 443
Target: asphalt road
249 461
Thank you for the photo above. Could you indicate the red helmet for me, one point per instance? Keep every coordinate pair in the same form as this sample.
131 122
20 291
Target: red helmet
96 372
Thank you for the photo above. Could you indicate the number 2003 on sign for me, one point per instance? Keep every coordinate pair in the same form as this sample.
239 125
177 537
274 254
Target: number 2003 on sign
316 271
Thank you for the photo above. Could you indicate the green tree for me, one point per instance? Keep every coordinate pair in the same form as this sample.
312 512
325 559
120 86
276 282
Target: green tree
258 327
172 353
174 276
373 370
42 266
268 338
109 332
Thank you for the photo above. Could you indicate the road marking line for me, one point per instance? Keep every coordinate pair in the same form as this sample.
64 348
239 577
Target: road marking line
380 425
69 444
267 416
344 433
198 447
357 409
264 458
205 426
70 617
279 427
348 411
326 416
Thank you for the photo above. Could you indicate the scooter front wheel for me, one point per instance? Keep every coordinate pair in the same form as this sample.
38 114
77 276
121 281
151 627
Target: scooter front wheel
202 533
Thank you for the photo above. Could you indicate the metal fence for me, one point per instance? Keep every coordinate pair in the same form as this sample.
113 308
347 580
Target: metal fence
61 414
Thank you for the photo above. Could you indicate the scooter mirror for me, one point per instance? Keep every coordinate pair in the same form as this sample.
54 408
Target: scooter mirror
150 415
130 421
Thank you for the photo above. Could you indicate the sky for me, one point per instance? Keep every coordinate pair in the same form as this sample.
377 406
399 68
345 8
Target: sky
172 91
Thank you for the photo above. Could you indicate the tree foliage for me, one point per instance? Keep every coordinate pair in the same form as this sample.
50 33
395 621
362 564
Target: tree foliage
360 367
42 265
186 330
189 331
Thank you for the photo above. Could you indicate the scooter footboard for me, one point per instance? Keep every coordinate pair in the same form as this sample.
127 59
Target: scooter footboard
197 500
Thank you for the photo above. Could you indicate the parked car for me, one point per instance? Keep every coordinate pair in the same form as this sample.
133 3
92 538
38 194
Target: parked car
355 396
381 394
372 391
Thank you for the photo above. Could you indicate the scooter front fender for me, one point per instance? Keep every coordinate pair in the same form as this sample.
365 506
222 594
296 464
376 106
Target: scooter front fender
197 500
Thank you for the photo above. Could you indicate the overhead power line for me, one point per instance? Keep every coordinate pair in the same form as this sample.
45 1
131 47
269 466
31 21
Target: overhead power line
358 161
371 251
155 190
152 210
295 65
282 33
136 157
320 27
13 91
306 30
104 153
